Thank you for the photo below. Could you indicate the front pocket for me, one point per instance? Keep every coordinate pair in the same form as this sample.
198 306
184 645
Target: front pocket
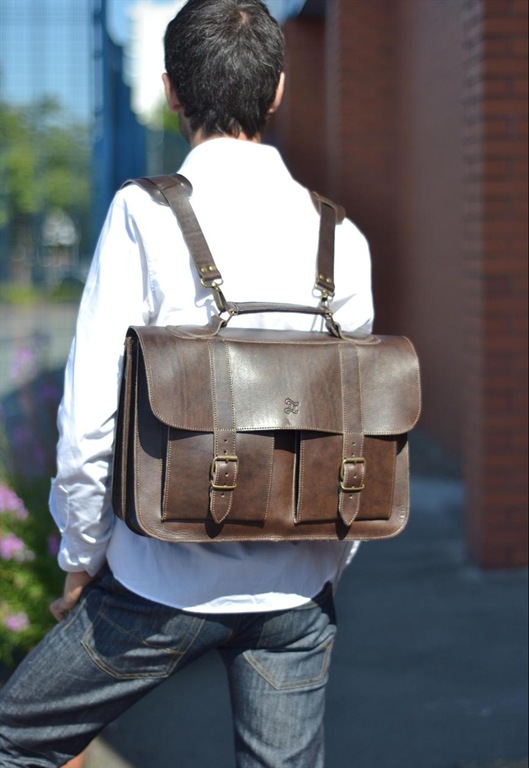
319 461
186 463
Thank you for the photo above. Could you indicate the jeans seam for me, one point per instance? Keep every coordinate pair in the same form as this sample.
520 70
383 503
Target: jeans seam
169 652
100 663
234 631
23 748
74 613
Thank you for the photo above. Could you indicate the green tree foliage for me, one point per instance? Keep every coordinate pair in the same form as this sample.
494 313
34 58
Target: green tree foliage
44 166
17 165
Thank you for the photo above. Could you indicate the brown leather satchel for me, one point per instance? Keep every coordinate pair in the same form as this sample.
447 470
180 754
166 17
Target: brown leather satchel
237 434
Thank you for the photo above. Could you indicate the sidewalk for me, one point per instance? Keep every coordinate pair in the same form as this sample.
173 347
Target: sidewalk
429 671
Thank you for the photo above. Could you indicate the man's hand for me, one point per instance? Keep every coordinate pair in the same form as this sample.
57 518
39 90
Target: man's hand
73 586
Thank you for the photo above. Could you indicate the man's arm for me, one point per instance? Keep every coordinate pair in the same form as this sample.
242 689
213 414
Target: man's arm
74 584
115 296
352 305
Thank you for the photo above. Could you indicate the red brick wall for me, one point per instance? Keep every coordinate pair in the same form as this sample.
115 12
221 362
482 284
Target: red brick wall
429 201
301 121
425 143
495 281
360 131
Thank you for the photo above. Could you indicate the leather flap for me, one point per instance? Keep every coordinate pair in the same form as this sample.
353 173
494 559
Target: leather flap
294 384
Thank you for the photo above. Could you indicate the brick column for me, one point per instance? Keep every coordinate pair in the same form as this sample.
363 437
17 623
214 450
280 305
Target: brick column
495 281
299 124
360 71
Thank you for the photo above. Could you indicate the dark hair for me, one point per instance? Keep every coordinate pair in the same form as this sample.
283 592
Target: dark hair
224 59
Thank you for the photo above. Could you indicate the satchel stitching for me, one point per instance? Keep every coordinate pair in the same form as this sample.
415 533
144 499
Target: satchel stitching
301 474
214 496
145 525
342 493
214 408
167 473
270 476
125 433
394 480
137 449
352 534
230 377
344 430
230 385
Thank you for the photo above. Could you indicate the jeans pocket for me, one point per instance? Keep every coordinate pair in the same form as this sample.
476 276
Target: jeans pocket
293 670
130 637
294 647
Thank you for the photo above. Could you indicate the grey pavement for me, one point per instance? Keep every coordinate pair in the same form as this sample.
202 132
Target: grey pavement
429 670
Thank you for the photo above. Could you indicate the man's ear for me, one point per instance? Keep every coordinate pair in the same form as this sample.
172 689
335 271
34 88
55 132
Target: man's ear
279 94
173 102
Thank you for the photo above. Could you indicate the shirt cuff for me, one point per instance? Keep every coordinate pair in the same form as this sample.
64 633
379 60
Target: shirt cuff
71 560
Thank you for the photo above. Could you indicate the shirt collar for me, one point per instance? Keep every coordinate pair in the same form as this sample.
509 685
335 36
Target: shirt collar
233 160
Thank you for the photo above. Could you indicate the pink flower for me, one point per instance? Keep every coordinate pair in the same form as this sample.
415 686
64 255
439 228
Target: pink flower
16 622
13 548
10 502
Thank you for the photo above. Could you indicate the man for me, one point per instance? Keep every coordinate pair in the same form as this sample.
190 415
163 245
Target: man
135 610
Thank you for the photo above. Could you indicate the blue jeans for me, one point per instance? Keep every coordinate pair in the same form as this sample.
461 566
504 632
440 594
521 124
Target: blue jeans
116 646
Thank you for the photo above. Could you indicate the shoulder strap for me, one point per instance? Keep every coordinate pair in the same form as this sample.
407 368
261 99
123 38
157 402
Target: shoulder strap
175 190
330 215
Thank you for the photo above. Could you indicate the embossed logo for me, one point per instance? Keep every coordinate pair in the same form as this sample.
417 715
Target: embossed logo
292 406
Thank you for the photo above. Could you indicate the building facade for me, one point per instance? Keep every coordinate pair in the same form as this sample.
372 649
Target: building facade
413 114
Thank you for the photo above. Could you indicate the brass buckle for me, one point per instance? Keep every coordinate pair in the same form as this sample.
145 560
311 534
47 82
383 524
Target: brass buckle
214 469
345 462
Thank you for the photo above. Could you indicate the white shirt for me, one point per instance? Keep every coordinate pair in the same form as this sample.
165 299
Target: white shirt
262 229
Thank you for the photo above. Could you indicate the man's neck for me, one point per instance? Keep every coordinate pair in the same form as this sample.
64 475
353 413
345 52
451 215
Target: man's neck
199 138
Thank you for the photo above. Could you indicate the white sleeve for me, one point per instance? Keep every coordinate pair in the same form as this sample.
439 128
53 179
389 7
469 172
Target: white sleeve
116 295
352 305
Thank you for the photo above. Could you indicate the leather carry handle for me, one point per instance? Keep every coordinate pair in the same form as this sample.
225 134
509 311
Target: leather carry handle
253 307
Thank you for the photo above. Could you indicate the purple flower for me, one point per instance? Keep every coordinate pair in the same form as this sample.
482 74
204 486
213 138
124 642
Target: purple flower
16 622
13 548
53 545
10 502
22 436
23 363
49 393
